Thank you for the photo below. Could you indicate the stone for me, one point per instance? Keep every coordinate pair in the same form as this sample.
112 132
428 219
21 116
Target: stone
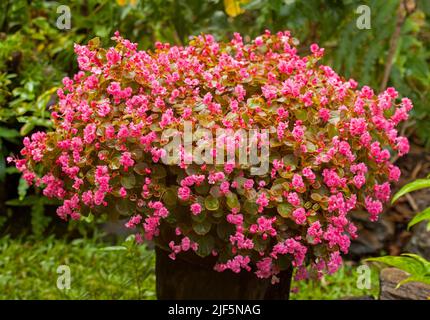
390 277
420 241
372 236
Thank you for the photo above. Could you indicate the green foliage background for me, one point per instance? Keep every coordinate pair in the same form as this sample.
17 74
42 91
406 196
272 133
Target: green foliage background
35 55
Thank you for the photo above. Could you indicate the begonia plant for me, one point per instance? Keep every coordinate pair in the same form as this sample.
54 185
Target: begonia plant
323 148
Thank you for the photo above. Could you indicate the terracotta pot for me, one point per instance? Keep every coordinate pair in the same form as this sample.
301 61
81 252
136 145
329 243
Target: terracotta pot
193 277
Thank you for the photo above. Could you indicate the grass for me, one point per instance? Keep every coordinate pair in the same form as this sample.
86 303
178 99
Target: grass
340 285
28 270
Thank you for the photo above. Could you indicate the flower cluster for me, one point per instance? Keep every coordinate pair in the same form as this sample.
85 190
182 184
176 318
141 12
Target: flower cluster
330 149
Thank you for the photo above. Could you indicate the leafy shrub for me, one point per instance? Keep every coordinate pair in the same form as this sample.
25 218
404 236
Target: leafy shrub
329 149
410 187
417 267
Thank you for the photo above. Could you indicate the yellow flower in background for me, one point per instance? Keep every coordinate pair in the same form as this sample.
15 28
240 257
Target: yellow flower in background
122 3
232 7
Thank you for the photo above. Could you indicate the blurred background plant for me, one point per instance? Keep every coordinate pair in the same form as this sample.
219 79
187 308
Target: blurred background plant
35 55
417 267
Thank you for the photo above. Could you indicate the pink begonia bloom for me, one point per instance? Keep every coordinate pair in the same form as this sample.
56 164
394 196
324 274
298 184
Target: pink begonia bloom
236 264
357 126
297 182
123 192
249 183
382 191
262 201
298 131
126 160
359 180
241 241
308 173
324 114
394 173
293 198
315 232
264 268
184 193
299 215
134 221
402 145
90 133
334 263
374 207
196 208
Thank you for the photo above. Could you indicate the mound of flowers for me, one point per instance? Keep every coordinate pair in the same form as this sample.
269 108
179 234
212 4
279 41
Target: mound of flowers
319 148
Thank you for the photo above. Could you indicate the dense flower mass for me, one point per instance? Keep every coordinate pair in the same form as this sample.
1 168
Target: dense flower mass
330 149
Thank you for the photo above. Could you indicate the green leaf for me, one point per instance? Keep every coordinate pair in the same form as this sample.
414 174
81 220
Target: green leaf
407 262
206 245
39 221
128 181
202 228
114 248
89 218
22 189
211 203
250 207
7 133
26 128
284 209
170 197
225 230
413 186
232 201
424 215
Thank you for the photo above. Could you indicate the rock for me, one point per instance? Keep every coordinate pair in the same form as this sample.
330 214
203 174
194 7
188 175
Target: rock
420 241
390 277
372 236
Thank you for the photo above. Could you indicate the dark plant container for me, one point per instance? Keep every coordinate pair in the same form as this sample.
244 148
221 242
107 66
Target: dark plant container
193 277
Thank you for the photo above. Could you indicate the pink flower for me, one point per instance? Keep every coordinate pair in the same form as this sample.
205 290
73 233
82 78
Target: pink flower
374 207
90 133
297 182
402 145
123 192
265 268
249 183
262 201
394 173
293 198
196 208
359 180
126 160
184 193
308 173
299 216
324 114
357 126
315 232
334 263
134 221
298 131
382 191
